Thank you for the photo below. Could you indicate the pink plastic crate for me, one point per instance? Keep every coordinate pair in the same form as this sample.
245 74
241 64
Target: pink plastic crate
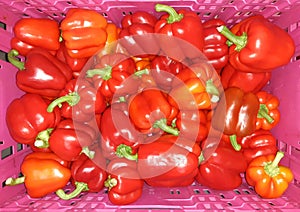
284 84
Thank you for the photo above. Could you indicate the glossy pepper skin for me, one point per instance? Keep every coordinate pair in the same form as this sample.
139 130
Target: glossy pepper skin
276 46
35 32
269 114
42 73
247 81
220 165
150 112
215 48
183 24
42 175
140 27
84 32
124 183
28 121
267 176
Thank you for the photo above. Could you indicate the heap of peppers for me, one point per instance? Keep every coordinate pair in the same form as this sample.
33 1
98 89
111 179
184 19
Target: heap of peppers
103 116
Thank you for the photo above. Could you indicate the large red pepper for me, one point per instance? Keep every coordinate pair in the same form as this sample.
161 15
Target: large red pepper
42 73
84 32
124 183
28 121
35 32
168 161
150 112
87 175
220 165
247 81
185 25
139 26
258 44
269 114
215 48
44 173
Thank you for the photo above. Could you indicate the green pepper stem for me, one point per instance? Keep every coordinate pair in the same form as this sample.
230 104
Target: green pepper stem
264 113
11 56
42 139
173 15
71 98
85 150
234 143
110 182
201 158
271 168
162 124
141 72
105 73
14 181
80 187
239 41
213 90
124 151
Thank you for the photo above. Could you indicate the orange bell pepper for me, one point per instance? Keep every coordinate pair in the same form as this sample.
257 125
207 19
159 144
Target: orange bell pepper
269 179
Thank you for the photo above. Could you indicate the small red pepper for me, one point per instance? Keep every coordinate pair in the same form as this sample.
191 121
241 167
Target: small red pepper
43 174
247 81
23 119
35 32
124 183
215 47
42 73
275 49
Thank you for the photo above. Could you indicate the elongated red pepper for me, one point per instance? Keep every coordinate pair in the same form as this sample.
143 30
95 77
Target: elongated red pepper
42 73
23 119
124 183
220 165
247 81
43 174
35 32
215 48
276 46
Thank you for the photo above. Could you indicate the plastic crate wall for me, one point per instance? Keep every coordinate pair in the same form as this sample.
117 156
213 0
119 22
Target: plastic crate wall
285 84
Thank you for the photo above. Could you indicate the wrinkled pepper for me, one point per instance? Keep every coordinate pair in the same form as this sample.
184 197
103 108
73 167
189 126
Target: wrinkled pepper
150 112
28 121
87 175
43 174
84 32
123 182
276 47
182 24
220 166
247 81
30 33
42 73
215 47
267 176
269 114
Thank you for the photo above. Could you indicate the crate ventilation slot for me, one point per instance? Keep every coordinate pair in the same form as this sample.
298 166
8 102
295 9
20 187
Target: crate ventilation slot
6 152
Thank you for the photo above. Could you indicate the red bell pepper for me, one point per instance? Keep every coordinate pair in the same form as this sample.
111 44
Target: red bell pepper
247 81
136 34
84 32
215 47
182 24
35 32
87 175
80 101
166 162
68 140
28 121
110 72
116 129
150 112
220 165
124 183
42 73
276 47
44 173
269 114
